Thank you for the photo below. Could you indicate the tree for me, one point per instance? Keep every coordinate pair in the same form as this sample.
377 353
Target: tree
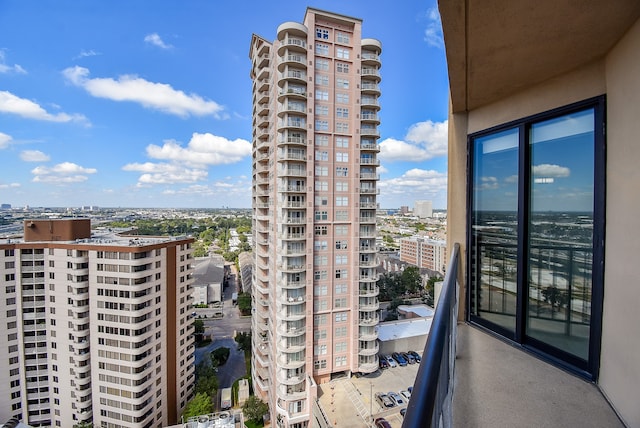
220 356
254 409
83 425
198 326
244 303
206 379
411 279
244 341
201 404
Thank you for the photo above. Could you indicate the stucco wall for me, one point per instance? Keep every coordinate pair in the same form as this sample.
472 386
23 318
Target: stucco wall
620 371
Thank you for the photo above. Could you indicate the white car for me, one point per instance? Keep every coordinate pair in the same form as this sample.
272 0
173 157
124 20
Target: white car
391 361
406 394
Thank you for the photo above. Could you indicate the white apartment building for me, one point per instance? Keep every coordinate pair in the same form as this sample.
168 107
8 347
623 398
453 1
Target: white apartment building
423 209
315 146
97 327
424 253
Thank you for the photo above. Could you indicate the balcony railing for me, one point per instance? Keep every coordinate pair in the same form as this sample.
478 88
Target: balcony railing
431 398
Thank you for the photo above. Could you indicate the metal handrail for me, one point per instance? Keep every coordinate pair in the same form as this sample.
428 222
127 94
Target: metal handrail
430 404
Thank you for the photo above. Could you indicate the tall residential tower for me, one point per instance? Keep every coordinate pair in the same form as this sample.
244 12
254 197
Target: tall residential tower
96 327
315 132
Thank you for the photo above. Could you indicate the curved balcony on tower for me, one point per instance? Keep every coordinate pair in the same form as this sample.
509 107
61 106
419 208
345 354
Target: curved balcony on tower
292 29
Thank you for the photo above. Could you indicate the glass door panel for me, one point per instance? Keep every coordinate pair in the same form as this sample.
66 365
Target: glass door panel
494 229
560 244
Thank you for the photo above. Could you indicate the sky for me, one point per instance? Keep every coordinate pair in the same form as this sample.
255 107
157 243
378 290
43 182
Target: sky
119 103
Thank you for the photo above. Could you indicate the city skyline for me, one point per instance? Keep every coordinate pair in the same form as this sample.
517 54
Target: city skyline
130 106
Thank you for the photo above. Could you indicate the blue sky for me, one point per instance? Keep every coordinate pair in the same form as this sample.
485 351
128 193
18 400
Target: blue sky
148 104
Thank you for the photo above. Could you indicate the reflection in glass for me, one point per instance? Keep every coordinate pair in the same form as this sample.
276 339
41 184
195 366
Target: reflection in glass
494 228
561 232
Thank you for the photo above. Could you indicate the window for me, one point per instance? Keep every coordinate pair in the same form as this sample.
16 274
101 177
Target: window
341 245
341 215
340 302
322 186
342 38
322 64
341 346
342 53
322 201
342 67
342 127
319 334
321 215
342 186
341 317
320 260
321 230
320 364
341 259
322 49
342 98
342 201
322 33
342 142
320 290
341 274
342 171
322 110
320 245
322 125
320 275
320 350
322 140
342 157
322 171
525 174
322 95
322 155
322 80
341 289
342 83
320 305
342 112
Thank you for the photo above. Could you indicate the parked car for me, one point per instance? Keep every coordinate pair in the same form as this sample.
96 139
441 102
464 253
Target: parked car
396 398
400 359
416 356
384 400
391 361
406 394
410 389
383 363
403 411
382 423
408 357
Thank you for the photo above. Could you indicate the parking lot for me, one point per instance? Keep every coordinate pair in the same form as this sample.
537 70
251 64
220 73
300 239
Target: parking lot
350 402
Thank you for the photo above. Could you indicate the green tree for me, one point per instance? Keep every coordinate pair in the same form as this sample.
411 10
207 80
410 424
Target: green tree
411 279
244 303
220 356
198 326
244 341
201 404
206 379
254 409
83 425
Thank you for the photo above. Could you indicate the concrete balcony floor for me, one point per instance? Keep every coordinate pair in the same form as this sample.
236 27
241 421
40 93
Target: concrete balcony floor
499 385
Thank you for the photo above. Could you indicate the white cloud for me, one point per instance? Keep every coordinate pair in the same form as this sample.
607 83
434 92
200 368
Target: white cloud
10 103
66 172
433 32
84 54
203 149
424 141
34 156
416 181
550 170
9 185
165 173
157 96
488 183
154 39
15 68
5 140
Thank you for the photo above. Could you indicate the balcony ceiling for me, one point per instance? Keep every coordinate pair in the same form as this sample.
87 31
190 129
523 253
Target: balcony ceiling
499 47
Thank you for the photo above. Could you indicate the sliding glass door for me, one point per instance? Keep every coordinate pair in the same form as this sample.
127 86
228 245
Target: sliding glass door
536 223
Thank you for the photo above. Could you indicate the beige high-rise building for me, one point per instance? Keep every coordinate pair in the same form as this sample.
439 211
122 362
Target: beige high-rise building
315 134
424 253
96 327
